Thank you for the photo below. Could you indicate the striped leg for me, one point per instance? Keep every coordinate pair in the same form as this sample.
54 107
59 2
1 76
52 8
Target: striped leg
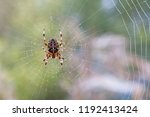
44 38
45 44
60 58
61 42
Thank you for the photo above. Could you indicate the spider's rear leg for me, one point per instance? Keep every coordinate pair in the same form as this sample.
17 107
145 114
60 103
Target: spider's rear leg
45 59
61 61
48 55
60 58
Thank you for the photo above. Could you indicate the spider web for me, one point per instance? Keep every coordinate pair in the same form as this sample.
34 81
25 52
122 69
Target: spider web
139 20
33 56
83 73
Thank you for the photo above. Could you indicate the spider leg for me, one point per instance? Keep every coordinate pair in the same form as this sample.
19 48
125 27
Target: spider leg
60 58
45 59
61 43
48 55
43 47
60 35
44 38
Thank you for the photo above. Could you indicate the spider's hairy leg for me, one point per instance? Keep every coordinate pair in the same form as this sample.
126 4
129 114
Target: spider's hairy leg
60 35
48 55
60 58
44 49
61 43
61 61
45 59
44 38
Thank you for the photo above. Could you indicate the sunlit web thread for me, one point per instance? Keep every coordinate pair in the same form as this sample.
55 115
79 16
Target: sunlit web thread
125 26
123 19
143 24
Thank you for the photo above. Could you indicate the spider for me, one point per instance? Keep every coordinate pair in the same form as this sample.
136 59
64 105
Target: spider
53 48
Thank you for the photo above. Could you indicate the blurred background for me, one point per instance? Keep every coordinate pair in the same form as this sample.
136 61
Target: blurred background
106 49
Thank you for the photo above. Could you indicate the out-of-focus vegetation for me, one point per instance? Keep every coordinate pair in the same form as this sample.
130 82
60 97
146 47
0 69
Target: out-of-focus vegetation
21 25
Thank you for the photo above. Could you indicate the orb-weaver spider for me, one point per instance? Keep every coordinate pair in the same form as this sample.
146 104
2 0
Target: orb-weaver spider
53 48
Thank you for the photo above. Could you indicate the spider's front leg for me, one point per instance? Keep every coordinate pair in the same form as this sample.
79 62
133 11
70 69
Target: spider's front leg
61 43
43 47
44 38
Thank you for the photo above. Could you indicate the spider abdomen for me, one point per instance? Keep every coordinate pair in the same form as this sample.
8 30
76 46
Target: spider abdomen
53 47
53 50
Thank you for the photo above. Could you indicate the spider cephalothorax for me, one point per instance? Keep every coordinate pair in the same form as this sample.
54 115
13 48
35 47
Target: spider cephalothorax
53 48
